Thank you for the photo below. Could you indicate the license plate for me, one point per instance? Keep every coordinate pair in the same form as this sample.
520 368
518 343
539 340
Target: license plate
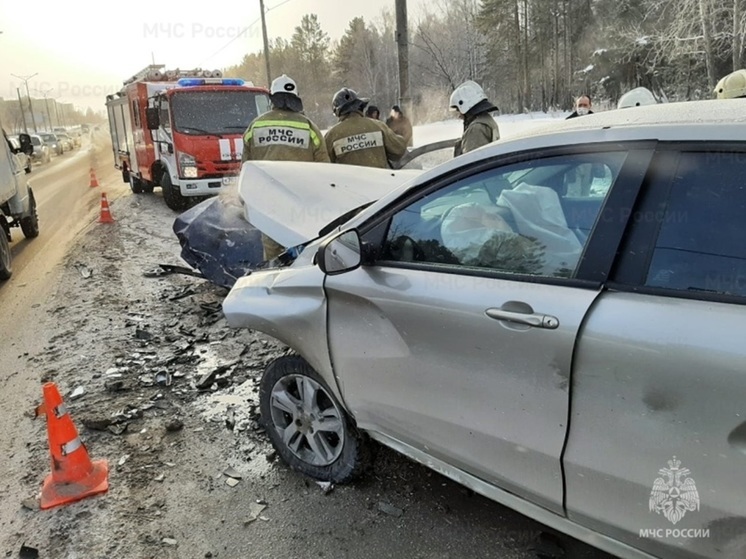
229 181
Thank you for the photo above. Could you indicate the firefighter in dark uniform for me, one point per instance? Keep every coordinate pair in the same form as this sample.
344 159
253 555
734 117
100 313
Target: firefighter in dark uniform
283 134
356 140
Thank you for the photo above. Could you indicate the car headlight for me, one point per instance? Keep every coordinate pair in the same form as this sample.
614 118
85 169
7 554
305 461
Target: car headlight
188 165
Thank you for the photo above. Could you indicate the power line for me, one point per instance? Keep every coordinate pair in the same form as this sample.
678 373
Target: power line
241 34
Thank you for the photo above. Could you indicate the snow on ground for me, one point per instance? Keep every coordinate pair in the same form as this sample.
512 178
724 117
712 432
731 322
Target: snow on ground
510 125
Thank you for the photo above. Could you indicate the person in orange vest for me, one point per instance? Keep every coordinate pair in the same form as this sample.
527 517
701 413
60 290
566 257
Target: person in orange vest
357 140
283 134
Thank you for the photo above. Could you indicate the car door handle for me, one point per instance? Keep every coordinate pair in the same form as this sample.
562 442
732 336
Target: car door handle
530 319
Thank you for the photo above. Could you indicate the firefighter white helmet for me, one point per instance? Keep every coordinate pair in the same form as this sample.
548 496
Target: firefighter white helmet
466 96
732 86
284 84
637 97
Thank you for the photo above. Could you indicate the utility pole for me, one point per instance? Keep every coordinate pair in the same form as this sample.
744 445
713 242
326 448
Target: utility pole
30 108
23 114
402 41
266 42
46 104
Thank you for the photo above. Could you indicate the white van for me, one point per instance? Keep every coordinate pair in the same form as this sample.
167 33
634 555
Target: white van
17 204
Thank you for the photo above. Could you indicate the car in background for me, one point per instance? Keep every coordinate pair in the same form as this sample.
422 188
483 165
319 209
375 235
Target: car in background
65 140
53 142
41 153
551 320
15 147
75 135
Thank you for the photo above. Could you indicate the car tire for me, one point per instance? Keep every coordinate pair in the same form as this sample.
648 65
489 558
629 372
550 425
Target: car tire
5 269
173 198
294 396
30 223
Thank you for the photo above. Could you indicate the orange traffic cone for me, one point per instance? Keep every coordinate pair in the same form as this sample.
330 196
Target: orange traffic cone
105 212
74 476
94 181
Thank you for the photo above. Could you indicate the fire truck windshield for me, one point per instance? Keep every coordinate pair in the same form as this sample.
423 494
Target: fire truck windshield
216 112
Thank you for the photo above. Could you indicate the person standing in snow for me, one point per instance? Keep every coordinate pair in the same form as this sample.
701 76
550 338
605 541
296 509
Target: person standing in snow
373 112
356 140
283 134
400 124
582 107
473 107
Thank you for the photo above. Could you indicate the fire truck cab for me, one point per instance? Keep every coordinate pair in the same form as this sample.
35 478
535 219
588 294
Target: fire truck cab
182 131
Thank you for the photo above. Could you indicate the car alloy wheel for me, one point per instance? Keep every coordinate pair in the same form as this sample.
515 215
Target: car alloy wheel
306 424
309 420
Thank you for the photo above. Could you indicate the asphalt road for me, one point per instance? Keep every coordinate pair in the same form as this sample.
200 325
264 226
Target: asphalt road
401 510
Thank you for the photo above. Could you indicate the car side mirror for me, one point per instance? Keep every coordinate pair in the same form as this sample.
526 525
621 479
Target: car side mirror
26 146
152 120
340 254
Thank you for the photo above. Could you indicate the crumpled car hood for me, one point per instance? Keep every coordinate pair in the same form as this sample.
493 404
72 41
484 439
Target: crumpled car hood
292 201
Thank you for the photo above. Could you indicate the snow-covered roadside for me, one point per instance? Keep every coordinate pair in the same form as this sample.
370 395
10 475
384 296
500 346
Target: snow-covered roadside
139 352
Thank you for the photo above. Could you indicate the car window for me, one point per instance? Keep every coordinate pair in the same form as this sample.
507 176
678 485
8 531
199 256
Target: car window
700 246
532 217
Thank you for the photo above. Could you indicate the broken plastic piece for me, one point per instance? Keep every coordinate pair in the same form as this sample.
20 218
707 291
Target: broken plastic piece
163 378
232 473
168 269
255 509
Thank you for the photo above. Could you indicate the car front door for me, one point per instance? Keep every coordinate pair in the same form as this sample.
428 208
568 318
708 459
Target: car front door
459 340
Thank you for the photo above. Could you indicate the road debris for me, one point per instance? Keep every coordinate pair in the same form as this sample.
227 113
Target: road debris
389 509
84 271
255 510
28 552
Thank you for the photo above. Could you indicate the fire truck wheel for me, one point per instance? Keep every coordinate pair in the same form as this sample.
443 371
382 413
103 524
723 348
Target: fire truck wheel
135 184
173 198
147 187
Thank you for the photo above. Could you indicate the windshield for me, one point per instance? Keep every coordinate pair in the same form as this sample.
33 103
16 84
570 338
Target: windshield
216 112
48 137
35 140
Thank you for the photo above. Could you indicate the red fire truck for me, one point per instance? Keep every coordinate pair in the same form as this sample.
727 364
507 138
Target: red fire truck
181 131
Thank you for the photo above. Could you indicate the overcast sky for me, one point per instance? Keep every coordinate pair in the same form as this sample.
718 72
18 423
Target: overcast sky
82 50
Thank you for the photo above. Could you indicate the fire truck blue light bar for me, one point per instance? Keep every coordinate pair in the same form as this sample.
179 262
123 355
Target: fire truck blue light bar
191 82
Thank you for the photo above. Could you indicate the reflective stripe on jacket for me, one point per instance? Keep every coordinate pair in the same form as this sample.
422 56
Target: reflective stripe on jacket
356 140
280 135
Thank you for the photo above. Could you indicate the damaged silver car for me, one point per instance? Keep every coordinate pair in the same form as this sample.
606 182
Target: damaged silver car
553 321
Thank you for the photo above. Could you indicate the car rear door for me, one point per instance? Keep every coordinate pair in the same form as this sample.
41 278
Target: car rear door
656 453
459 340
